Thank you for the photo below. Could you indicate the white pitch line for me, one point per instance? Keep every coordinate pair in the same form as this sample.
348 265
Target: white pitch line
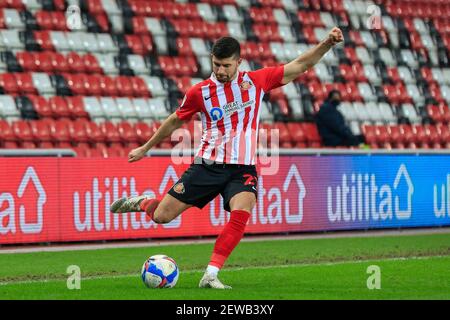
136 275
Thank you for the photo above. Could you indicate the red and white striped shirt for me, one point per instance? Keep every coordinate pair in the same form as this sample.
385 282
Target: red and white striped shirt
230 114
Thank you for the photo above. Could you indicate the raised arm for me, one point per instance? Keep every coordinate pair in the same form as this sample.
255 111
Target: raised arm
169 125
309 58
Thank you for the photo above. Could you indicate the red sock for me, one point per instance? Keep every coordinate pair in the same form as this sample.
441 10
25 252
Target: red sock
149 206
229 237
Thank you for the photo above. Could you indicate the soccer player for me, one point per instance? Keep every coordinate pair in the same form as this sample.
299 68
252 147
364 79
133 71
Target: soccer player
229 103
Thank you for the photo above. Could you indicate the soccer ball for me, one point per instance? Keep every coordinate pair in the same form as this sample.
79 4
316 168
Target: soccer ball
160 271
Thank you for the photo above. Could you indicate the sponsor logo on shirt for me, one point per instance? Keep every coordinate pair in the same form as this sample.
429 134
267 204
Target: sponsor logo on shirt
245 85
216 114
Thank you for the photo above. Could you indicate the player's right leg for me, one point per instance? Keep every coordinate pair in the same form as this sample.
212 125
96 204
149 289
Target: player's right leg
162 211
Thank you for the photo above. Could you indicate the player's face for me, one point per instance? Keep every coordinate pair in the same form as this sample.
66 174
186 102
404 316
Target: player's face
225 69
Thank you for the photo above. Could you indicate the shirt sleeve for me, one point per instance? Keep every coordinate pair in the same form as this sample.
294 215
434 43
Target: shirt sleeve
190 105
269 78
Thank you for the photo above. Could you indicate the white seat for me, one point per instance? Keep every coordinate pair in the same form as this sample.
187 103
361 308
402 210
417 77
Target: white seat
74 41
32 5
410 112
321 33
93 107
265 114
281 17
322 72
155 27
288 5
388 24
41 81
11 39
158 108
286 33
363 54
290 91
59 41
373 111
387 56
291 51
206 12
355 21
235 30
142 108
155 86
368 39
405 74
433 55
199 47
446 75
194 81
408 58
350 6
366 92
162 46
137 64
331 58
126 108
89 41
355 128
438 75
387 113
106 43
393 38
415 94
427 41
106 62
347 110
232 14
12 19
277 49
296 108
245 66
205 63
110 108
361 111
445 91
327 19
371 74
420 26
116 23
110 7
8 108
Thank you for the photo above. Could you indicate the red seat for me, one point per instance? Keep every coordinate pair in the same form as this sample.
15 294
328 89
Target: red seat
184 47
421 136
143 131
94 132
59 21
10 145
43 61
44 20
22 130
76 107
407 133
27 145
25 83
59 107
135 44
296 132
75 62
40 131
139 26
6 132
167 65
347 72
91 64
60 133
59 62
110 131
77 130
283 134
396 136
92 85
26 61
76 83
8 82
43 40
41 106
95 6
124 86
370 133
383 137
103 22
108 86
127 132
147 43
140 88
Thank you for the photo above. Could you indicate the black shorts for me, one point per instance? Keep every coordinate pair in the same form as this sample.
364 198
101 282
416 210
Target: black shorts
202 182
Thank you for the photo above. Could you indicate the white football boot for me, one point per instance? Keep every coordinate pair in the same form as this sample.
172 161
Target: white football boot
130 204
210 281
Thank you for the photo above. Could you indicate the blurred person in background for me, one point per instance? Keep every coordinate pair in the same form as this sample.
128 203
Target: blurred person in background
332 127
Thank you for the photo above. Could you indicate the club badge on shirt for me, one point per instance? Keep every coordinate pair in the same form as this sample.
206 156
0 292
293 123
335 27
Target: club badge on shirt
245 85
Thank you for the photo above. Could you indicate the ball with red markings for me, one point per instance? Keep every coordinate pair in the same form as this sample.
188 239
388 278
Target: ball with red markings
160 271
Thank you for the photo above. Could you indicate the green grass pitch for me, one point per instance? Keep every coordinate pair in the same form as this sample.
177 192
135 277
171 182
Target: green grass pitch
412 267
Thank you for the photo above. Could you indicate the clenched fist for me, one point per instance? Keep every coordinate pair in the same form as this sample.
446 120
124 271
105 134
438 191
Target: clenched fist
136 154
335 36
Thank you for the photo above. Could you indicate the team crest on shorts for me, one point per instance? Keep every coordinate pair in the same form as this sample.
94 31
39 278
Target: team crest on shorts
245 85
179 188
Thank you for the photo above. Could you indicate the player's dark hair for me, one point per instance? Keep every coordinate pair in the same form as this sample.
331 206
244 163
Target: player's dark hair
226 47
